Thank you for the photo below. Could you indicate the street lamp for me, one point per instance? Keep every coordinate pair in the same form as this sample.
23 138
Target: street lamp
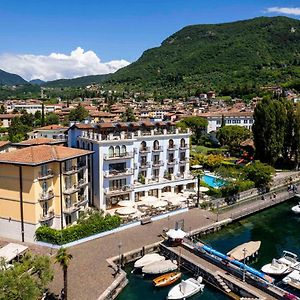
120 263
244 270
197 168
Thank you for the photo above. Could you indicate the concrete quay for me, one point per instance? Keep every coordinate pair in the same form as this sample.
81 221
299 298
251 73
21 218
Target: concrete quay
90 273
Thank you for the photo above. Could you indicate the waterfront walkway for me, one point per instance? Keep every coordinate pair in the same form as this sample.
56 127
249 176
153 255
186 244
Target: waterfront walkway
89 274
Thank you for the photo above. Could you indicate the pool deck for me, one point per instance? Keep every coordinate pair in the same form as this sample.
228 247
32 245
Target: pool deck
89 273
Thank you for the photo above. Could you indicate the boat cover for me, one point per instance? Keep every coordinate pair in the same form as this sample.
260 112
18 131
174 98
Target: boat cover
159 267
148 259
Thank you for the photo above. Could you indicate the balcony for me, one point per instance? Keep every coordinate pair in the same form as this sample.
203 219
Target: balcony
46 175
157 149
71 171
71 190
82 201
71 209
184 147
81 165
158 163
46 196
144 165
125 155
172 148
145 150
118 173
183 161
82 183
172 162
119 190
47 217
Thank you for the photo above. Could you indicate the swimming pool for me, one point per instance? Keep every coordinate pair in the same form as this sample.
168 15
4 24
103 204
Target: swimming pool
213 181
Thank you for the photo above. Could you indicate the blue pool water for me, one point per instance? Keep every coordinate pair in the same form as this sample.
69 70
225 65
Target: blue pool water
213 181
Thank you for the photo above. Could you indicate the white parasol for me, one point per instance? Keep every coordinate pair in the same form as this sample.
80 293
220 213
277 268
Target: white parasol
126 211
126 203
176 234
148 200
160 203
204 189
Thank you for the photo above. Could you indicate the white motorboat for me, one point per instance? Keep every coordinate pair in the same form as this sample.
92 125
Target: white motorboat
186 288
276 268
148 259
160 267
296 209
289 258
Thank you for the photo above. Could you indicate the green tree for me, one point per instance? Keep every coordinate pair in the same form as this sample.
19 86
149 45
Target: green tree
296 137
64 258
269 126
27 279
232 136
128 115
17 131
51 118
78 114
196 124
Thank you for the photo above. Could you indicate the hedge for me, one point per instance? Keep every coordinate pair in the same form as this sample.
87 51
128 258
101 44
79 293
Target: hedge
87 225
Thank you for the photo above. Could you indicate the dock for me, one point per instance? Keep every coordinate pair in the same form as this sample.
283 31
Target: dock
220 275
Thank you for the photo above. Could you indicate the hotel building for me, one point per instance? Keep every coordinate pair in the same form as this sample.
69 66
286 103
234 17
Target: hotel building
131 160
42 184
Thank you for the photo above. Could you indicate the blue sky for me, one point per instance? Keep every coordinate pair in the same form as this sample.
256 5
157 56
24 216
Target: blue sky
113 30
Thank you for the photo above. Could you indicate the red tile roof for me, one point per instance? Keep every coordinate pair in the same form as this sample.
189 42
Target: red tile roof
36 155
40 141
4 143
52 127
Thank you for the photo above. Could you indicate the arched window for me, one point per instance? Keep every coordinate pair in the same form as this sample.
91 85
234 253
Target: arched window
111 151
156 145
182 143
171 144
45 186
117 151
143 145
123 150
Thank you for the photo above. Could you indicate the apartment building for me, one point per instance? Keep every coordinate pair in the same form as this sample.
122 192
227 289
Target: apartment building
131 160
240 118
41 185
56 132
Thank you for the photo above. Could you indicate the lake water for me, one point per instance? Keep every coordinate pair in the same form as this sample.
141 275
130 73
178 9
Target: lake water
277 228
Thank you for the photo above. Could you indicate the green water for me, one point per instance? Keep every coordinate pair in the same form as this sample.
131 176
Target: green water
277 228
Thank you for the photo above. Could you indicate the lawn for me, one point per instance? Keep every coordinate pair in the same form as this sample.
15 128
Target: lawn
206 150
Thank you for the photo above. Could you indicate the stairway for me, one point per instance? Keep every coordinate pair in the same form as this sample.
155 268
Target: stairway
221 283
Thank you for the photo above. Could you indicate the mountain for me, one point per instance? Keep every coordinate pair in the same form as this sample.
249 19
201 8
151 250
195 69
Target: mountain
36 81
253 52
76 82
11 79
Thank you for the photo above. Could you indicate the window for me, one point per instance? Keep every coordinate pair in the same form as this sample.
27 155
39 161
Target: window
44 170
170 170
156 173
123 150
143 145
111 151
171 157
171 144
45 208
117 184
245 121
45 186
182 169
156 158
182 143
156 145
68 219
250 121
117 151
218 122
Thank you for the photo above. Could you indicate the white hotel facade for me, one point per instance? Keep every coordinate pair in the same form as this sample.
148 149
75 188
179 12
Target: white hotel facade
131 160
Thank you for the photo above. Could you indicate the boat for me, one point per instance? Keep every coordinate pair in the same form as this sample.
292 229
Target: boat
186 288
281 266
276 268
166 279
296 209
148 259
293 279
245 251
160 267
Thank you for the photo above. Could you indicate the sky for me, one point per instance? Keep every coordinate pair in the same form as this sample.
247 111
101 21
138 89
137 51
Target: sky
51 39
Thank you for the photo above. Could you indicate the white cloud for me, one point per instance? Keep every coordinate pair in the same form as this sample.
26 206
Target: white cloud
285 10
58 65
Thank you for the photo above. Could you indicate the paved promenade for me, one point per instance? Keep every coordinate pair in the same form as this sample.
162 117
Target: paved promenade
89 273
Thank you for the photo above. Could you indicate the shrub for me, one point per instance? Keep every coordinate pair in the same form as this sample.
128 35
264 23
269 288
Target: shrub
88 225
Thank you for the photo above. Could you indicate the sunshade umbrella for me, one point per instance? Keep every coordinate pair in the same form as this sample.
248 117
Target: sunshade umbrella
148 200
126 211
126 203
204 189
160 203
176 234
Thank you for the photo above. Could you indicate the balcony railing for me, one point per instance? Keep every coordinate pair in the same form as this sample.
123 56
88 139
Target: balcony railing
70 171
82 183
145 150
82 201
172 148
184 147
118 156
172 161
47 217
71 190
71 209
158 163
144 165
116 173
45 175
118 190
46 196
183 161
81 165
157 149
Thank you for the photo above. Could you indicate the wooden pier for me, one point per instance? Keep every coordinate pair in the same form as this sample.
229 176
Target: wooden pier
221 276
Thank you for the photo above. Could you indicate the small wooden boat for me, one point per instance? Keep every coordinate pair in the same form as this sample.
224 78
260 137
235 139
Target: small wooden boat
166 279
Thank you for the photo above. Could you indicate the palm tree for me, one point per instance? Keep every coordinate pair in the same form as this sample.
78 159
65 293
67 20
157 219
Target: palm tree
64 258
